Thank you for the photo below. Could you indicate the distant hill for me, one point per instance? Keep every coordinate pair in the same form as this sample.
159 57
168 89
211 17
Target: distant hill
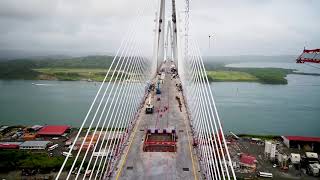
95 67
250 58
23 68
50 62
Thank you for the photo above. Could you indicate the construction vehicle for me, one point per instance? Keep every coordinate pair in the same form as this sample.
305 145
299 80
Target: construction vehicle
158 88
149 108
313 169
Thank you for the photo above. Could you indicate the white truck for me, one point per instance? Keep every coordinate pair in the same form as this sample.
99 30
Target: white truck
149 107
314 169
53 147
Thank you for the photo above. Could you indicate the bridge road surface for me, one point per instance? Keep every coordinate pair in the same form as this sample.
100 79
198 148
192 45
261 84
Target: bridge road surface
135 164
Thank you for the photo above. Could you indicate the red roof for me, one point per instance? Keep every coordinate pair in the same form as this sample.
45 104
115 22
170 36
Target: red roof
302 138
246 159
9 146
53 130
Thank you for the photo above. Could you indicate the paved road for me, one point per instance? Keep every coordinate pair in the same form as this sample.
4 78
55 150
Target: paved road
136 164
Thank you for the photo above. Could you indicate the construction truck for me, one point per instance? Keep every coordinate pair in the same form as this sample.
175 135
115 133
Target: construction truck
313 169
149 108
158 88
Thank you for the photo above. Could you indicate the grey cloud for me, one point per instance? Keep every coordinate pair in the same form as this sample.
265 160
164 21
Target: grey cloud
83 27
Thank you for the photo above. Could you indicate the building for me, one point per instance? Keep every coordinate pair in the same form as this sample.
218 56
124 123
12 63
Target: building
4 129
301 141
29 136
34 145
35 128
248 161
53 130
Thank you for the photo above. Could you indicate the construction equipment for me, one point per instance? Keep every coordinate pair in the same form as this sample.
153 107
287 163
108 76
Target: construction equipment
164 140
150 107
309 55
158 88
313 169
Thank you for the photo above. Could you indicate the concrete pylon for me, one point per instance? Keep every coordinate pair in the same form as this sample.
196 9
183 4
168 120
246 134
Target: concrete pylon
159 34
174 34
164 40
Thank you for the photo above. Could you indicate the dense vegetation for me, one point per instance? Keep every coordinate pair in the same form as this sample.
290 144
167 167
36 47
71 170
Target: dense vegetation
230 76
95 67
218 72
263 137
25 68
263 75
73 74
17 160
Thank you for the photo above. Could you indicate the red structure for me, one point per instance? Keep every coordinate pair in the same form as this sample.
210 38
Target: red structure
9 146
311 55
53 130
247 159
160 141
302 138
300 141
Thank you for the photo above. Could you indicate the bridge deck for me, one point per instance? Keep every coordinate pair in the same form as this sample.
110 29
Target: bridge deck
183 164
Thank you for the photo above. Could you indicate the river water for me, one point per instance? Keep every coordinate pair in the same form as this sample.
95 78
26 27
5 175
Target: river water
292 109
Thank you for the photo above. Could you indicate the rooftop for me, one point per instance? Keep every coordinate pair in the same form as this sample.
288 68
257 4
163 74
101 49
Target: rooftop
53 130
34 143
247 159
302 138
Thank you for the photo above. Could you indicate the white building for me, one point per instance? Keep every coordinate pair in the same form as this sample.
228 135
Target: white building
32 145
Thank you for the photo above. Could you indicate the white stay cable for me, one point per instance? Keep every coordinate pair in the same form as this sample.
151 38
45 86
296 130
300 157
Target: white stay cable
124 40
110 106
205 126
215 113
197 115
111 117
108 165
96 113
209 121
203 131
127 41
132 114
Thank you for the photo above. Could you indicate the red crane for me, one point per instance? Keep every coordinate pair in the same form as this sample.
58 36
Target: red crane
309 55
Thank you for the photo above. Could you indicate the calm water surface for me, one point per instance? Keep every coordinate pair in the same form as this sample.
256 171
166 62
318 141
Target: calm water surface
292 109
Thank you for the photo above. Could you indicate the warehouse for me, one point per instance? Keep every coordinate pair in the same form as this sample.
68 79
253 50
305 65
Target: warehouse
53 130
34 145
248 161
301 142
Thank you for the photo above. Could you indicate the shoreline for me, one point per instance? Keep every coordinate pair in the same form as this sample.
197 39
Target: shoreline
271 76
244 135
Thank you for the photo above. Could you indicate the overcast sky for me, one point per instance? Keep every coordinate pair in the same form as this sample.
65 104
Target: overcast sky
83 27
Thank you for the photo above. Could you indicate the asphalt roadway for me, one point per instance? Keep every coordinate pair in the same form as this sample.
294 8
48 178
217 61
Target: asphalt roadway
135 164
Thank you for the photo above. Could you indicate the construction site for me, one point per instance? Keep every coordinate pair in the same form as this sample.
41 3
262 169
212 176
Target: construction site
161 144
154 117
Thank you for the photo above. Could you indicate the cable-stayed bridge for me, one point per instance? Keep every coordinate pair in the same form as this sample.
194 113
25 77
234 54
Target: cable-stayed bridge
154 115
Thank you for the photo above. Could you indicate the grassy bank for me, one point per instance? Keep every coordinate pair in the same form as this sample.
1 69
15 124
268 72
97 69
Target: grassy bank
56 69
17 160
262 75
230 76
95 67
71 74
263 137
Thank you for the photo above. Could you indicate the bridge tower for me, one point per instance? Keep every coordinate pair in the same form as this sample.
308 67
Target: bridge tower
165 43
159 33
